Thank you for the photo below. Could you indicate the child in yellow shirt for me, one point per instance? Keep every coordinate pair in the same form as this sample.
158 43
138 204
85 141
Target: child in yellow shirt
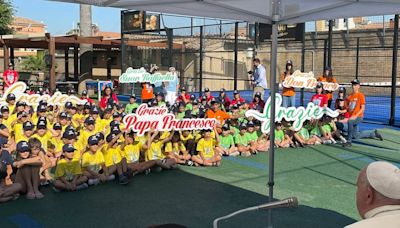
206 148
69 176
93 163
113 158
176 150
154 147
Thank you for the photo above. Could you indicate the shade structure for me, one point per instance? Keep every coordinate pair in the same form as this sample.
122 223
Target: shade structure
290 11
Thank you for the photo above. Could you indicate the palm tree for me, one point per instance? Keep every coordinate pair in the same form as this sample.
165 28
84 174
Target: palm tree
35 63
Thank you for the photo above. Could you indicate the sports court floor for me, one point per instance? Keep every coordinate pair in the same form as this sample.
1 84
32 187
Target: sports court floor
322 177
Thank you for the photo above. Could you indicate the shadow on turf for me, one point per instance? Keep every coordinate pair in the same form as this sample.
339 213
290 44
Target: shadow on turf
166 197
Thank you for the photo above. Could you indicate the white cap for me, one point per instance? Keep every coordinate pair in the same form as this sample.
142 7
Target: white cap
384 177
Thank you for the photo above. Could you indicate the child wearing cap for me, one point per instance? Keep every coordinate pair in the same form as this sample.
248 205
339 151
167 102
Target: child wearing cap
4 132
38 151
252 136
154 150
113 158
207 156
56 143
131 151
176 150
320 99
227 144
182 112
93 163
89 130
242 142
132 105
68 174
44 135
11 102
329 130
281 139
304 137
27 131
28 171
237 99
187 138
183 96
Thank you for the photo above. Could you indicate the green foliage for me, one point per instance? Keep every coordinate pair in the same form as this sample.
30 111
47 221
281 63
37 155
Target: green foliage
35 63
6 17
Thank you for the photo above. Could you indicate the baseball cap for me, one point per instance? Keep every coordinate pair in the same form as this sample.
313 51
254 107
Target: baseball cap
195 102
204 98
289 62
87 105
68 148
68 105
89 120
5 109
100 136
319 85
28 126
70 128
133 96
328 68
10 96
41 108
57 126
342 89
235 106
206 90
355 82
116 115
250 124
63 115
258 94
93 140
213 101
114 123
70 134
23 146
243 126
20 103
41 125
110 137
222 90
225 127
115 130
183 89
192 97
94 110
384 177
22 113
84 93
235 92
159 94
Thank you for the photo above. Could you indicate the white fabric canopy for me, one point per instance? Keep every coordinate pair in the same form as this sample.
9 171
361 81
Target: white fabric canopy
291 11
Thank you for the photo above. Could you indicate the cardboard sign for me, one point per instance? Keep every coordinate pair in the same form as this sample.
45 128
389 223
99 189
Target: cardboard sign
141 75
298 115
18 89
158 118
307 81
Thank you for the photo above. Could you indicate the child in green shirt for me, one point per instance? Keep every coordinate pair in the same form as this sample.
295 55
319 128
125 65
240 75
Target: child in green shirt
242 141
304 137
252 137
263 139
132 105
226 143
280 136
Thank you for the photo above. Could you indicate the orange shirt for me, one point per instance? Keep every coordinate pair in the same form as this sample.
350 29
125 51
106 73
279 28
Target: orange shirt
329 94
147 91
354 102
287 92
220 115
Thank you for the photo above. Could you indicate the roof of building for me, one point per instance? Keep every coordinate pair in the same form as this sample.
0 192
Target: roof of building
23 21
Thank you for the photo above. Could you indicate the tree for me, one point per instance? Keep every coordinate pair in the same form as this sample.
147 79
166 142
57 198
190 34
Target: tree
6 17
35 63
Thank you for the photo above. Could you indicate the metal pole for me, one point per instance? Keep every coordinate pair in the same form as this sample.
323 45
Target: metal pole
201 60
170 36
330 43
357 56
394 69
325 54
191 26
66 63
274 52
235 69
303 58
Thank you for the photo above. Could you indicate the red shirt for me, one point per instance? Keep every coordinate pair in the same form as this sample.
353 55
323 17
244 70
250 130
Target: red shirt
10 77
320 100
235 101
257 106
104 101
180 98
209 98
87 99
225 101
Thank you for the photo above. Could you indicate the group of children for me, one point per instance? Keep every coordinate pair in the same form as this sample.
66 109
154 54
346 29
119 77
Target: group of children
75 146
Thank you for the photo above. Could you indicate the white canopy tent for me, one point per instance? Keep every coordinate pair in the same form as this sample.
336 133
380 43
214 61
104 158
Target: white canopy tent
264 11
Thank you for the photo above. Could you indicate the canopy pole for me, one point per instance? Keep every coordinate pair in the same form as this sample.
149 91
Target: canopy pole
394 70
274 51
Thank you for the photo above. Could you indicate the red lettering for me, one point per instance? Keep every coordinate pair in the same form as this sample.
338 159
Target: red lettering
129 120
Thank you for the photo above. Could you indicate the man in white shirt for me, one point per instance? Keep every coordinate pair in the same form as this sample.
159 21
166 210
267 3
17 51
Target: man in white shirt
260 78
378 196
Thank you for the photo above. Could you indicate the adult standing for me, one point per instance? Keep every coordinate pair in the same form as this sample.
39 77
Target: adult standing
108 98
172 87
378 196
327 76
288 94
260 78
355 103
10 76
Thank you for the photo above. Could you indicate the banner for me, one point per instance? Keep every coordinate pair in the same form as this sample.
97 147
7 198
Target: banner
298 115
307 81
141 75
158 118
18 89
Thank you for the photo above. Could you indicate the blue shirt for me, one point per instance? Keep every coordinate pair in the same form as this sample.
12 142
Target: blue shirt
260 76
171 87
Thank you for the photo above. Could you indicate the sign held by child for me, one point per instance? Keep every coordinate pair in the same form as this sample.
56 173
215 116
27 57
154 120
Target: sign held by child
141 75
158 118
307 81
298 115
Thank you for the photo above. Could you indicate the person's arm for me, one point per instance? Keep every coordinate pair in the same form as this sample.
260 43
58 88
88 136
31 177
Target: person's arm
4 132
111 143
151 139
169 137
216 134
35 161
54 132
115 98
5 78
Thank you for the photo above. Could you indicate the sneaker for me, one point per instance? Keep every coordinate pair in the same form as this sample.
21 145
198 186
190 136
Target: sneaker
147 171
234 154
56 190
93 181
347 144
333 141
327 142
189 163
82 186
39 195
123 180
378 135
111 177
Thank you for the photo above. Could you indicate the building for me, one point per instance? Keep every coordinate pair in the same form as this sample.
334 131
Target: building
338 24
26 26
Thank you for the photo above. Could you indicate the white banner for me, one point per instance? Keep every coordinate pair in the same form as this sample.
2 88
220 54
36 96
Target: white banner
306 81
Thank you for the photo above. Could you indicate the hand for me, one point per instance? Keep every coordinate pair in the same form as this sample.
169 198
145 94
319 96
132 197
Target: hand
73 186
68 186
8 180
353 117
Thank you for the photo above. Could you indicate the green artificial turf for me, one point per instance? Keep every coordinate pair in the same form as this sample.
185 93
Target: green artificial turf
321 177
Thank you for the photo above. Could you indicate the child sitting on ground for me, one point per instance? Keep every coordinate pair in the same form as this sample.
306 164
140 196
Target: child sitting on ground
112 158
303 136
8 189
93 163
206 148
281 139
177 150
154 150
227 143
68 173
